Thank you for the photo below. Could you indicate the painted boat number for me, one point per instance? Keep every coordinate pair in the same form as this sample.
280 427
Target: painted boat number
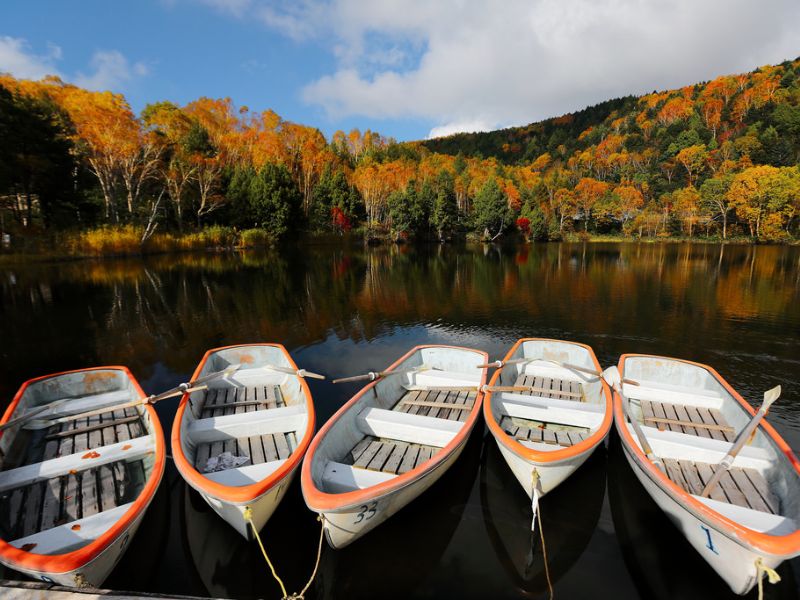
709 544
366 512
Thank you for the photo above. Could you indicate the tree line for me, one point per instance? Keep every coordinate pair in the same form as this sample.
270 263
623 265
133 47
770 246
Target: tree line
716 158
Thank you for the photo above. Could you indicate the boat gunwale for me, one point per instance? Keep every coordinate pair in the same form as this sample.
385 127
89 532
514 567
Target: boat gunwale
786 545
548 457
70 561
320 501
240 495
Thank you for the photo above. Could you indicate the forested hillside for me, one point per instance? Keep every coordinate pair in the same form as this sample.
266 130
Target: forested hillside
714 159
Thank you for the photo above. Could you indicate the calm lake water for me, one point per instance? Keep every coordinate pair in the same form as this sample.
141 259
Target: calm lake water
343 311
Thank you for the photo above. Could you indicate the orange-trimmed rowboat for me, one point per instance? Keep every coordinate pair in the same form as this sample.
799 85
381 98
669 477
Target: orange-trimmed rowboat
553 415
690 416
73 491
240 442
393 440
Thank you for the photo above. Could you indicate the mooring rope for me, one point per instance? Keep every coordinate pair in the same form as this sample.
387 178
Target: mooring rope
248 516
537 515
772 575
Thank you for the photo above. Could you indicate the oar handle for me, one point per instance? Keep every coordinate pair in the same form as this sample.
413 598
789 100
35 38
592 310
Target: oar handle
498 364
304 373
297 372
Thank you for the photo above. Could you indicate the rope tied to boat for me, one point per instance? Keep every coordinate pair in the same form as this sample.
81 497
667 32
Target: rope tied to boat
536 487
248 516
762 569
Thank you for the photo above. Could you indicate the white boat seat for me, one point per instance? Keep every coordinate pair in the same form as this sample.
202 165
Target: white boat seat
79 461
339 478
80 404
435 378
259 422
72 535
756 520
246 475
549 410
684 396
404 427
547 369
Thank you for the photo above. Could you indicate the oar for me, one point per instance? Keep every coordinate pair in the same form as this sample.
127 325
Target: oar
725 464
373 375
178 390
30 415
516 361
298 372
613 378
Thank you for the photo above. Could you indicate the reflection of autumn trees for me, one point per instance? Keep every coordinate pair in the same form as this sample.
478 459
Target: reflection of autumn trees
170 309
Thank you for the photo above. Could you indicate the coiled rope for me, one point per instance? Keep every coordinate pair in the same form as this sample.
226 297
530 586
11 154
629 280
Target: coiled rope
248 516
772 575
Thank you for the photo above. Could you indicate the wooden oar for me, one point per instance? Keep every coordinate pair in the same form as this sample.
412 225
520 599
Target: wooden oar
613 378
290 371
31 414
725 464
178 390
516 361
373 375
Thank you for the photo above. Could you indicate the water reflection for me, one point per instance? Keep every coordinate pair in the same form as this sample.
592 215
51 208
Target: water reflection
569 518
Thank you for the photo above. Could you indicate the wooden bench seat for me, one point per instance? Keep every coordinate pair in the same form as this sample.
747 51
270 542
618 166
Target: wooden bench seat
437 403
388 456
550 387
525 430
742 487
693 420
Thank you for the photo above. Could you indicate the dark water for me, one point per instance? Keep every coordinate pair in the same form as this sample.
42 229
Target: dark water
346 310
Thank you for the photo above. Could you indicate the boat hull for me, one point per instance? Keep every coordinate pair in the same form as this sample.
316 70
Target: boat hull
733 560
346 525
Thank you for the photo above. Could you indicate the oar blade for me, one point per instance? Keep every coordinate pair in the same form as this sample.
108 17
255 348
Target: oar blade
771 395
612 376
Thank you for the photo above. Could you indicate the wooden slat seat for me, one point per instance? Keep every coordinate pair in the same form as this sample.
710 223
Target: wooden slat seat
436 403
742 487
550 387
524 430
220 412
388 456
693 420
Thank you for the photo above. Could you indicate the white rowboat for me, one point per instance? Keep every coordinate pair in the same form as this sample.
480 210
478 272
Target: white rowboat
240 442
73 491
393 440
690 416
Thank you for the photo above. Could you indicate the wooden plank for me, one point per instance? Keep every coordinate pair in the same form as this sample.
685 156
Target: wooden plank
574 437
695 417
675 474
647 410
690 427
562 437
508 426
745 484
32 508
761 485
208 399
731 490
548 436
90 500
671 415
443 406
380 458
201 455
269 392
106 489
706 418
122 487
695 484
535 434
122 430
279 399
136 428
90 428
425 453
368 454
16 512
683 416
706 472
409 459
720 420
51 503
359 448
401 406
270 449
257 453
396 457
577 388
282 445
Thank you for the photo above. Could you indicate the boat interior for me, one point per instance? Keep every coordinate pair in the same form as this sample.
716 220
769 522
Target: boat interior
690 420
257 415
64 481
401 422
555 406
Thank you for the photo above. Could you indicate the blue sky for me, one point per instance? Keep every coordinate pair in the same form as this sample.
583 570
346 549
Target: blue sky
407 69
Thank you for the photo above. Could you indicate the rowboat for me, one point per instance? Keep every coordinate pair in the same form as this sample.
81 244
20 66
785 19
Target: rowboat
548 410
689 417
392 440
239 442
79 469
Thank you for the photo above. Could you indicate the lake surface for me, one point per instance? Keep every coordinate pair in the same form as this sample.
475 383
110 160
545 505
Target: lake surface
344 311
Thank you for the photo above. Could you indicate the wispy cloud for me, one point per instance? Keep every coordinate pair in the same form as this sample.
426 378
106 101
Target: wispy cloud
108 69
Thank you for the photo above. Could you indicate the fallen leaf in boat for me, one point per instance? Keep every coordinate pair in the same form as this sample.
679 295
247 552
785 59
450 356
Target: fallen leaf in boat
127 447
73 472
76 527
28 547
91 454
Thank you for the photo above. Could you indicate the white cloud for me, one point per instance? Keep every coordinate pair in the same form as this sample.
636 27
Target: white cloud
515 61
110 71
17 58
109 68
460 127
